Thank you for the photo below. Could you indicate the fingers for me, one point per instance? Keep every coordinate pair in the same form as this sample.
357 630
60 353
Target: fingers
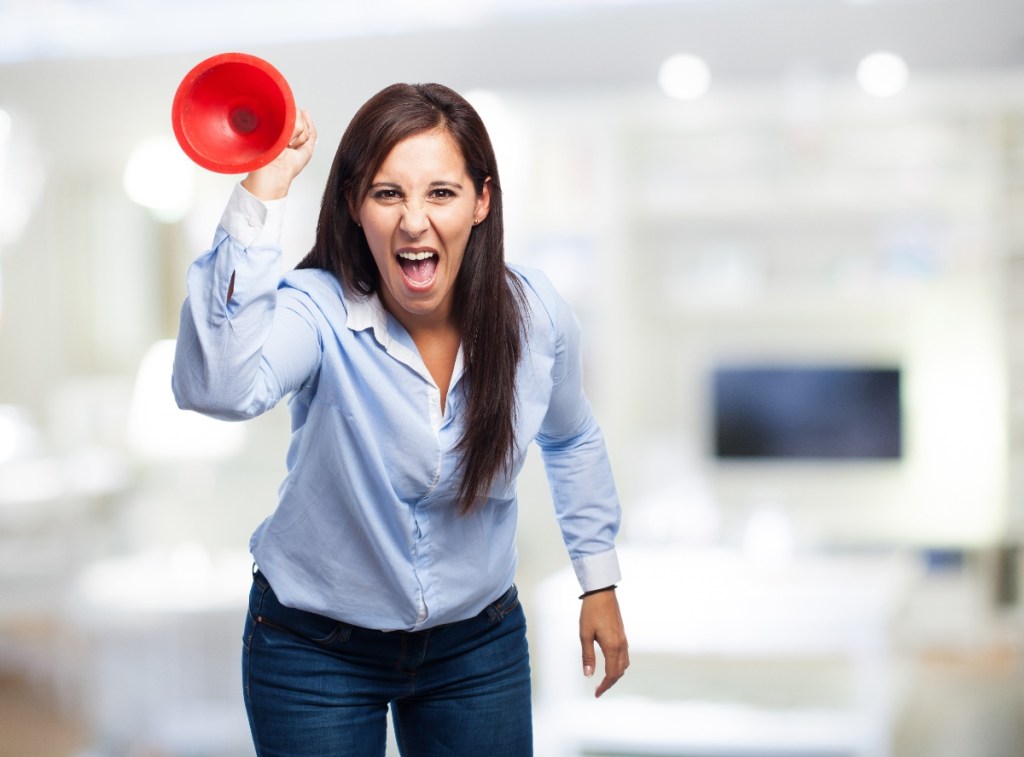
616 660
589 658
272 182
304 131
601 623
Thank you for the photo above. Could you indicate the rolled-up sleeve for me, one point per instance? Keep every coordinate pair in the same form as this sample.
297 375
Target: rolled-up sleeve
239 348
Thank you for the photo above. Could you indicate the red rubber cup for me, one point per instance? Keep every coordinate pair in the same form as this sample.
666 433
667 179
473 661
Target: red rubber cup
233 113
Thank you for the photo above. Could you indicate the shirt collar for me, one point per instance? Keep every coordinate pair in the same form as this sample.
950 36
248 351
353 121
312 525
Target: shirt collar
365 311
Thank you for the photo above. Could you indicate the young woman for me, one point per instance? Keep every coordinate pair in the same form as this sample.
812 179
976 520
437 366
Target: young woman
419 367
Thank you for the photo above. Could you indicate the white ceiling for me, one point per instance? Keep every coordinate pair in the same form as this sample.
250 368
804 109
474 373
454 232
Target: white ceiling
94 76
572 42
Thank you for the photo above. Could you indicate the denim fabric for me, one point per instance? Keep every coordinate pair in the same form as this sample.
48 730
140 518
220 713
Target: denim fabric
318 687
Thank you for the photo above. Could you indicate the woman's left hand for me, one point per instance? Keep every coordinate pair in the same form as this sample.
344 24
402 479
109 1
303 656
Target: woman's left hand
601 622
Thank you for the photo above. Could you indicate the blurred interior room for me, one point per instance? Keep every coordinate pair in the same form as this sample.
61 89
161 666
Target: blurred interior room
801 219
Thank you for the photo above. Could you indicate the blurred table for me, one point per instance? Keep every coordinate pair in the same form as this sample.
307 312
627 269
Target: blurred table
161 634
718 604
54 512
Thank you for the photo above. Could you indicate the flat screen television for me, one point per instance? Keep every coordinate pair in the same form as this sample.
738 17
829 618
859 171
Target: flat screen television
824 412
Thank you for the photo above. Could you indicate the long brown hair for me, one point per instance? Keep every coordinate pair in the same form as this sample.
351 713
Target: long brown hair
489 301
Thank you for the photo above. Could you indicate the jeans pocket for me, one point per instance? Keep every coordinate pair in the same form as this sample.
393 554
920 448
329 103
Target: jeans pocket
499 609
265 609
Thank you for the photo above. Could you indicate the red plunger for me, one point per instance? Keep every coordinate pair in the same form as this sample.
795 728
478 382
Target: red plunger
233 113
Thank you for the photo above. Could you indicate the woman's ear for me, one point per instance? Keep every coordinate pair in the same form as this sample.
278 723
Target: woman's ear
483 202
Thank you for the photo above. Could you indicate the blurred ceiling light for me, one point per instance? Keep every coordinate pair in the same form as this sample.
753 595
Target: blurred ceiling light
882 74
684 77
159 177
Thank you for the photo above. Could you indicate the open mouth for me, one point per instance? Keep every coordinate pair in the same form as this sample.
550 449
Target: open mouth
418 267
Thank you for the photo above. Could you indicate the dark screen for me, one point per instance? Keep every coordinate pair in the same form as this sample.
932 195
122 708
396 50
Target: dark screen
807 412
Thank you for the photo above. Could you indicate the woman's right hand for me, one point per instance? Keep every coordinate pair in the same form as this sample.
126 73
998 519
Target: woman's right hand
272 181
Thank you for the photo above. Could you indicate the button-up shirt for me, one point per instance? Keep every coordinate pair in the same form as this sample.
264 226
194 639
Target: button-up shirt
365 529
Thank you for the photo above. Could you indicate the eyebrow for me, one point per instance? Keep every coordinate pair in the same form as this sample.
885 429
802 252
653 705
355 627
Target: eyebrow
433 184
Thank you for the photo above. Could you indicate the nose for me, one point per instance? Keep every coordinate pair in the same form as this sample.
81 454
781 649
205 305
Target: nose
414 219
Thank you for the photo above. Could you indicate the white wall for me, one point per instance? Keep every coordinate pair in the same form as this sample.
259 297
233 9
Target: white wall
738 228
770 219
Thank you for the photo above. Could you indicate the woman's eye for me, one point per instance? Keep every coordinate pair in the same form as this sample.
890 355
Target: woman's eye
387 194
442 194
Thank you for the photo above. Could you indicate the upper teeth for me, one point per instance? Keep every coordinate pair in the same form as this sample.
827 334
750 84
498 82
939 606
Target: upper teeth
415 255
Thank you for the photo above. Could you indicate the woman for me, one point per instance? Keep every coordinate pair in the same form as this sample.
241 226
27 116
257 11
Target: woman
419 367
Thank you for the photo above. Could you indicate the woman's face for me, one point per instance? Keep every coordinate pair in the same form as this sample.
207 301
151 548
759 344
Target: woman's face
417 216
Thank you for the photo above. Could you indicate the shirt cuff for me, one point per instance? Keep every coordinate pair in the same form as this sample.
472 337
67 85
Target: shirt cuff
253 222
597 571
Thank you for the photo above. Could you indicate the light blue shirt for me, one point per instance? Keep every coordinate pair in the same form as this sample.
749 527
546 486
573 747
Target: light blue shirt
365 530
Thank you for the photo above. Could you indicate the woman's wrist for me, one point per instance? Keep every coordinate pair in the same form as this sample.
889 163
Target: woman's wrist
586 594
266 185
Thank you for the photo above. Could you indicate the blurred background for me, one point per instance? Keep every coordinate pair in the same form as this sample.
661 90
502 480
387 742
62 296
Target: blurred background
793 231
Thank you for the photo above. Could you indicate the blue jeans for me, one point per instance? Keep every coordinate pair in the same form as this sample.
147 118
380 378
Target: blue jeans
321 688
